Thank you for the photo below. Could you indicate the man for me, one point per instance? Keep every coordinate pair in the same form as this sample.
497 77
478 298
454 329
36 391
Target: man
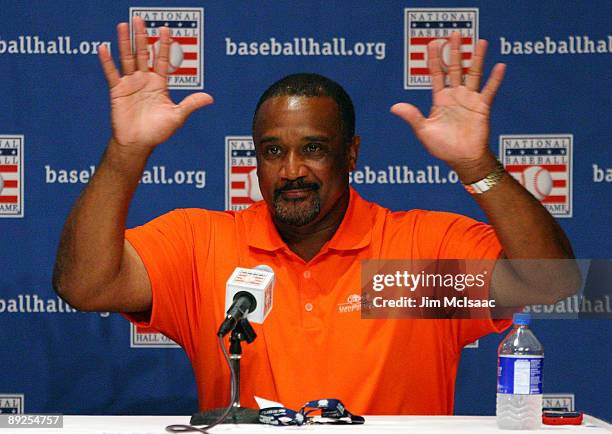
312 229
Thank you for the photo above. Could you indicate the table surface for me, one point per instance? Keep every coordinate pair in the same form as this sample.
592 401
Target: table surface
374 424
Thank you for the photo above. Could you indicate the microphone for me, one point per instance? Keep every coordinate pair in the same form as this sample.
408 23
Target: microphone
248 295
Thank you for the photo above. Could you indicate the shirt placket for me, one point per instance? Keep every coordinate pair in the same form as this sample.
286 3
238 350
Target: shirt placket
309 298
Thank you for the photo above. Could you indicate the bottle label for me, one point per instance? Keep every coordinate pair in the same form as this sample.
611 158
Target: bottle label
520 375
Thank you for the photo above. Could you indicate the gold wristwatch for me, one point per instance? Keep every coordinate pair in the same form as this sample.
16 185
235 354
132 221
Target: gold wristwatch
488 182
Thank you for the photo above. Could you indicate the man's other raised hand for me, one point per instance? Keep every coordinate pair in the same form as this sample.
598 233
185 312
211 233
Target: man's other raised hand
457 129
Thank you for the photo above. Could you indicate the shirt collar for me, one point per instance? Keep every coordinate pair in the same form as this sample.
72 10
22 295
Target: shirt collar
355 231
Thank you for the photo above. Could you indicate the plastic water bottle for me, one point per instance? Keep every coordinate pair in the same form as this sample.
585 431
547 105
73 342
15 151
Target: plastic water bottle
520 359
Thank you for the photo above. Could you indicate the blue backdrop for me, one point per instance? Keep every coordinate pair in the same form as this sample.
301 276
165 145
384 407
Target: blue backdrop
54 125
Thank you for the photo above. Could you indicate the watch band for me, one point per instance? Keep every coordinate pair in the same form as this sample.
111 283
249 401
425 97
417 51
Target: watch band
488 182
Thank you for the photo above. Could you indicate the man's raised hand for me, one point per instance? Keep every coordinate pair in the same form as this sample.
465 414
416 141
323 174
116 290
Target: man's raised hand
142 113
457 129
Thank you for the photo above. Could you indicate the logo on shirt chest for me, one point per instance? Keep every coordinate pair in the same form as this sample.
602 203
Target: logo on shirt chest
353 304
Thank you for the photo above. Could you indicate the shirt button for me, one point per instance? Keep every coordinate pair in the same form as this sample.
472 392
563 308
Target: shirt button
308 307
307 274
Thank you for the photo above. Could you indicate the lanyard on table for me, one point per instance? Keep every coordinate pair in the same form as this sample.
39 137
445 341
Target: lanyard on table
332 411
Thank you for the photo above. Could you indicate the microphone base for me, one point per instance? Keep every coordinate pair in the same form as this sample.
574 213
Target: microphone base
238 415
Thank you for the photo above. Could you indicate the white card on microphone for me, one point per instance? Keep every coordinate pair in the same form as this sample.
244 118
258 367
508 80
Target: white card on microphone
259 282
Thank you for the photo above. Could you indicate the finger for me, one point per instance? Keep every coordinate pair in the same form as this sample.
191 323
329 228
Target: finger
410 114
110 71
142 52
493 83
474 75
125 49
161 59
193 102
454 69
435 69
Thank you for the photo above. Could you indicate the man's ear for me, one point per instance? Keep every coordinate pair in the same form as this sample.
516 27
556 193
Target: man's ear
353 152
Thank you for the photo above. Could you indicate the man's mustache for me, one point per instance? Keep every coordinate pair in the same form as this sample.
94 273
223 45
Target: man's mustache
296 185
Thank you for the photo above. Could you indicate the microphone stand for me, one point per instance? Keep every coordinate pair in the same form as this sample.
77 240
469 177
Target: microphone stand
238 415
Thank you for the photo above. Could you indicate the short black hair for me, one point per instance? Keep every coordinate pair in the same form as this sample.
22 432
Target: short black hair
313 85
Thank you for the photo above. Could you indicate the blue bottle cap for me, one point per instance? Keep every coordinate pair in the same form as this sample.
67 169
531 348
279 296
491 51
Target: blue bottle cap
521 318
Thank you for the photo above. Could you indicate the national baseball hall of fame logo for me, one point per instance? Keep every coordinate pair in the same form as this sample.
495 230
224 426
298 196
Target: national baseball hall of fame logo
11 403
424 25
241 183
542 163
11 176
186 57
144 337
559 400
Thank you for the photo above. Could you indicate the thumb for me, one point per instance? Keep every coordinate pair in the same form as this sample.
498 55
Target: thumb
193 102
410 114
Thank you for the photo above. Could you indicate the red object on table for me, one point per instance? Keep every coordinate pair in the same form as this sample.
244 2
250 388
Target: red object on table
562 418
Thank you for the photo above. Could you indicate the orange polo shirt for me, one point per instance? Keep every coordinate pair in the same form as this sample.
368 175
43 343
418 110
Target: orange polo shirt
313 345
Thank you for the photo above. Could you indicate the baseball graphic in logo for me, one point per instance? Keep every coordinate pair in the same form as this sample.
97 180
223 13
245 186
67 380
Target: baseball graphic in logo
186 56
537 180
542 163
425 25
175 56
241 182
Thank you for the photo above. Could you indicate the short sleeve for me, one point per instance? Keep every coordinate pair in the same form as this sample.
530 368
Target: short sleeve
461 237
166 247
470 330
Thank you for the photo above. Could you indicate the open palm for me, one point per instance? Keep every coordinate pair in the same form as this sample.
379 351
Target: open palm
142 113
457 129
